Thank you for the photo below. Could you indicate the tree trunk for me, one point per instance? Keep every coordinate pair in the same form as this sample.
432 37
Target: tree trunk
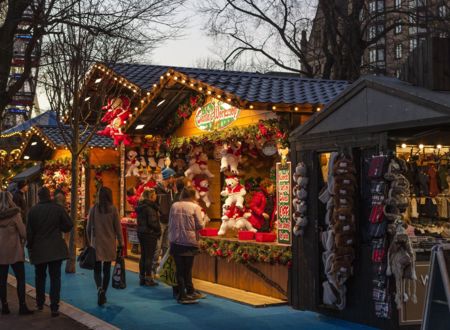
70 264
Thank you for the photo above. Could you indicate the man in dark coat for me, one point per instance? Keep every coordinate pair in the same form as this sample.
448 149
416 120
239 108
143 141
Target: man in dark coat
46 223
19 198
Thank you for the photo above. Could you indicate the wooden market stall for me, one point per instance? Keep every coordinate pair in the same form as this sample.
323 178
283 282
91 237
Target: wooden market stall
393 132
212 126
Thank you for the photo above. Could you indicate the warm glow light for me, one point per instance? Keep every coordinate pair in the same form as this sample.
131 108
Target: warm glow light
421 146
439 146
161 102
274 108
403 145
251 106
318 108
87 98
98 80
26 157
296 108
141 126
33 143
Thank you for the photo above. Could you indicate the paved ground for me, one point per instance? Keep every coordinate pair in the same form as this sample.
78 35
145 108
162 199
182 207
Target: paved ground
39 320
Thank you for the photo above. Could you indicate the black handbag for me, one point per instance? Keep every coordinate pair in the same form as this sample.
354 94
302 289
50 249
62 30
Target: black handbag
118 276
87 257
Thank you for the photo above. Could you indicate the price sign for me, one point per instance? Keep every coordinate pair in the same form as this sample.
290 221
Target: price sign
284 204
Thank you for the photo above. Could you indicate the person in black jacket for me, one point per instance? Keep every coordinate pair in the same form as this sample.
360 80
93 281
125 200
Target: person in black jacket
47 249
149 230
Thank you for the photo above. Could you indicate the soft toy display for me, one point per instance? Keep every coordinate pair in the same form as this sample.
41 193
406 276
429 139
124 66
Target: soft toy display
198 164
230 218
151 161
242 223
230 157
132 164
201 185
234 193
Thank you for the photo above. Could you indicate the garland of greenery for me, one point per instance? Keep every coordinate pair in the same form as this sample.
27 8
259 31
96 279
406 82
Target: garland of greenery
266 130
98 171
247 253
184 111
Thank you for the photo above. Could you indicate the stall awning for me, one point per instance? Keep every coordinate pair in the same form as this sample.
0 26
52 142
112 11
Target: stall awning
29 174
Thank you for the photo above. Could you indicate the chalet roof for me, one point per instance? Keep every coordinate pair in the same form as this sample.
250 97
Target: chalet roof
47 118
248 86
53 133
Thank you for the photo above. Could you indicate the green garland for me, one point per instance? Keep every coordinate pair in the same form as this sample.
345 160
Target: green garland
267 130
183 112
247 253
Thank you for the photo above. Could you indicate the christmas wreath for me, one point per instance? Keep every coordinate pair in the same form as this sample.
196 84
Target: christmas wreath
184 111
247 253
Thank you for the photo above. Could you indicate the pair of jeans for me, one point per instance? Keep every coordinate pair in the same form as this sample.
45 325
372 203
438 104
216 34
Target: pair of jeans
54 270
102 282
148 249
184 266
19 272
162 246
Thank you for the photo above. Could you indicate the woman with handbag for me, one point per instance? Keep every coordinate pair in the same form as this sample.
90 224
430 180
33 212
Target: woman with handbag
12 238
103 229
148 230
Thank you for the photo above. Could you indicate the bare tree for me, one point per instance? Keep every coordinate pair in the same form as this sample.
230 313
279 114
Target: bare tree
278 30
107 31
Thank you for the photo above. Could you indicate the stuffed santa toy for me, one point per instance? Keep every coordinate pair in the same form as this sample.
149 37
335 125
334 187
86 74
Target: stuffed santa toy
263 207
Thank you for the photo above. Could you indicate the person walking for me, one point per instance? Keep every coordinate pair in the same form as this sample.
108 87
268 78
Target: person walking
12 241
19 198
165 192
47 249
185 220
103 229
149 230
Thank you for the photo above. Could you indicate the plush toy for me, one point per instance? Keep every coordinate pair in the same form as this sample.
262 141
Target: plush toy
230 217
118 112
132 164
242 223
151 158
201 185
114 107
234 192
230 157
198 165
283 152
179 164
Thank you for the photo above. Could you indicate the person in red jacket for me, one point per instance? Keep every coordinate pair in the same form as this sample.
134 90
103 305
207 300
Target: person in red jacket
263 207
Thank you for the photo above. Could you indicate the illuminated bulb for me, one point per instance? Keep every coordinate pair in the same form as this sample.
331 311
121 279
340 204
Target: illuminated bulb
318 108
200 89
209 92
87 98
296 108
403 145
274 108
115 78
98 80
421 146
135 108
219 96
148 93
228 100
439 146
168 74
142 101
176 78
251 106
191 84
183 81
154 85
162 77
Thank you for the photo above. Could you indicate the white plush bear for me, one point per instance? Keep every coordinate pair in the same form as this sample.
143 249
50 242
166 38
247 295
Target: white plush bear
230 157
132 164
198 165
201 186
234 192
229 218
242 223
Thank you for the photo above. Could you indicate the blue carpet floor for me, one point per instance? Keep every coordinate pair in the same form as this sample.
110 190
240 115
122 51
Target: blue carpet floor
154 308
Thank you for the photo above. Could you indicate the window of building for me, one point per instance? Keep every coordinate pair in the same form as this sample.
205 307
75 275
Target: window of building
380 54
372 32
372 56
442 11
397 73
398 51
398 26
443 35
412 44
398 4
372 7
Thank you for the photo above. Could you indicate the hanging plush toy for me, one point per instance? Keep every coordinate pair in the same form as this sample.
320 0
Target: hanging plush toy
201 185
198 164
132 164
118 112
230 157
234 192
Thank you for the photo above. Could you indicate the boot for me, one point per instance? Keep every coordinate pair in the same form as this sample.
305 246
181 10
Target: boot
5 309
23 310
149 281
101 297
141 280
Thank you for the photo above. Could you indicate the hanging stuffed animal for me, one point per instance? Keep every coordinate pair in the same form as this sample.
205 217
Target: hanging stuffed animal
201 186
198 164
230 157
118 112
234 192
402 264
132 163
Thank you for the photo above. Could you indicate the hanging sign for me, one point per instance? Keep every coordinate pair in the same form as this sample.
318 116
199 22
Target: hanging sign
215 115
284 204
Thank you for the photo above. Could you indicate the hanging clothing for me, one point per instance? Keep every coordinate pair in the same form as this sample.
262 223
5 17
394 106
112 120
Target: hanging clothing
433 186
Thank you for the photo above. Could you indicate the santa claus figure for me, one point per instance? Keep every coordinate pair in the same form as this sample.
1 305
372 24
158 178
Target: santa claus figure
263 207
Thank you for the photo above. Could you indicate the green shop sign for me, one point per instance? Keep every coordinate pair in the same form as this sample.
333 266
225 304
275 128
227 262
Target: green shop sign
215 115
284 204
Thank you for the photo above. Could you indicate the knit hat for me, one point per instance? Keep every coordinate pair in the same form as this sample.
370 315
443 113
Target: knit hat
167 173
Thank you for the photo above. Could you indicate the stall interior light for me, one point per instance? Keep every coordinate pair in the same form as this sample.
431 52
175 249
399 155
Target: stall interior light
87 98
98 80
439 146
421 146
26 157
161 102
140 126
33 143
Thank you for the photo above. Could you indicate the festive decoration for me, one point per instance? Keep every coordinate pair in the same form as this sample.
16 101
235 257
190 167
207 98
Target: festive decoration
98 171
233 207
247 253
184 111
215 115
201 185
116 116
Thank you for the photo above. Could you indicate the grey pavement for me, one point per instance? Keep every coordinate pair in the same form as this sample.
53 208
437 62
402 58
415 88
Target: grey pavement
39 320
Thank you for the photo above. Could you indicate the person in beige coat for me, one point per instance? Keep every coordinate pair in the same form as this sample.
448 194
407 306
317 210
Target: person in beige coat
12 241
102 231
